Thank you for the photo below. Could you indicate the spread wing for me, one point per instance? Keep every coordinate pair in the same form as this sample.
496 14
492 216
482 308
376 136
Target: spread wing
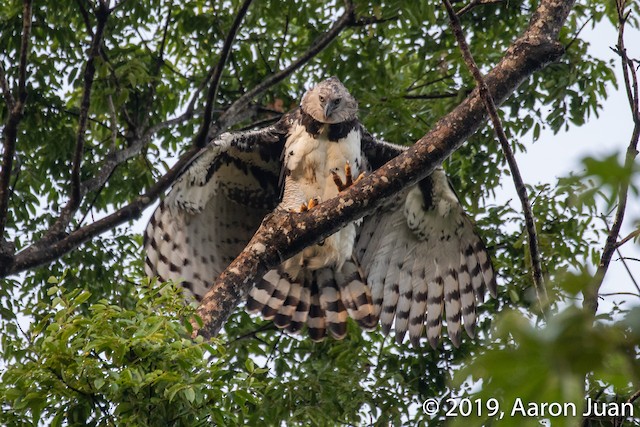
215 207
419 252
422 258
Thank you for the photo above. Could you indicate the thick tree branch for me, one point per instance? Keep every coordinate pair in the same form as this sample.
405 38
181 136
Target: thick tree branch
201 138
10 132
534 251
631 84
282 234
231 114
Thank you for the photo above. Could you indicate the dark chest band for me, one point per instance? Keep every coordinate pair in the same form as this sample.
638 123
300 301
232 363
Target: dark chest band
335 132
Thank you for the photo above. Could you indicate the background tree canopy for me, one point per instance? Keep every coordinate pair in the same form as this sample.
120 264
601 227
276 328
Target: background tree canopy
112 92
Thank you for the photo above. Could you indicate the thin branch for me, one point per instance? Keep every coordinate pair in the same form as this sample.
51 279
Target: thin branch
178 73
24 51
364 21
76 194
77 114
112 161
474 4
201 137
85 17
283 39
614 294
534 250
165 31
628 68
117 6
229 116
6 91
14 118
150 94
621 258
143 40
237 72
264 59
105 170
114 122
433 96
36 255
89 74
575 37
188 114
262 123
630 78
413 87
626 266
283 234
631 236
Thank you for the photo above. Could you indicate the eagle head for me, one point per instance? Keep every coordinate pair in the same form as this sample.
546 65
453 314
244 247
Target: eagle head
330 102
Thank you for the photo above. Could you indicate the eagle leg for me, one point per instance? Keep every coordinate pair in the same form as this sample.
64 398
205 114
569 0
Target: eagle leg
349 181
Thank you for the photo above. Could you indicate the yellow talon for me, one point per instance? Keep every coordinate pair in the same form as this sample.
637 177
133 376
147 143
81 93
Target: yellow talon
349 181
310 204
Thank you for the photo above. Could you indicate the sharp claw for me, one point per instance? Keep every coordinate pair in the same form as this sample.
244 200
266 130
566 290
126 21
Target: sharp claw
348 175
310 204
349 181
338 181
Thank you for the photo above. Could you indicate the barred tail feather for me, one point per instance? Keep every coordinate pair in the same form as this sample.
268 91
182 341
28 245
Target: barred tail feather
391 286
467 297
487 269
278 298
301 314
435 302
286 312
262 291
356 295
452 306
405 288
475 271
331 303
378 256
316 321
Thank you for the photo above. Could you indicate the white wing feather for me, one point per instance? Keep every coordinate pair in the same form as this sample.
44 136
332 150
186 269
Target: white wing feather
213 209
423 259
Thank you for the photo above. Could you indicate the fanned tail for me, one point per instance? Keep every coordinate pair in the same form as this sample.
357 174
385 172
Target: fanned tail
322 299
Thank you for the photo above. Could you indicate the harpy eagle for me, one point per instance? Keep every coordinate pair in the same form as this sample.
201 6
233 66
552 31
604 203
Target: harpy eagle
413 260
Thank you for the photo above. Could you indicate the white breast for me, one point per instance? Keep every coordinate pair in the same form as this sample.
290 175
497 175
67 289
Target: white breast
309 162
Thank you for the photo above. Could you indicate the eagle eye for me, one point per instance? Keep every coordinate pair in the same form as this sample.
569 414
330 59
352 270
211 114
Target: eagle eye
321 98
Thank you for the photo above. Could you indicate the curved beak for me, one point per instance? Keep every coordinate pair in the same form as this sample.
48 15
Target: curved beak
329 108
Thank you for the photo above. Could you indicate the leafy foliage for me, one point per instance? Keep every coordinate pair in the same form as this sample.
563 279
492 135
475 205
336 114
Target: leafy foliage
107 347
102 364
